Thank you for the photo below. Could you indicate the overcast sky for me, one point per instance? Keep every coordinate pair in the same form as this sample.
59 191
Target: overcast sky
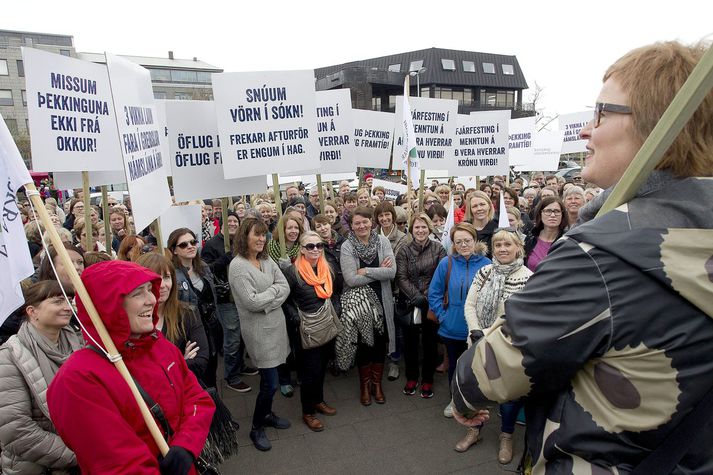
564 47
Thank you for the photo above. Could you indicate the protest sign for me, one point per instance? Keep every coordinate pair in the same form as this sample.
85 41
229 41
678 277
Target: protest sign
392 190
70 112
160 105
434 122
140 139
468 182
373 136
187 216
70 180
15 260
195 154
571 125
267 122
334 131
520 132
546 149
481 144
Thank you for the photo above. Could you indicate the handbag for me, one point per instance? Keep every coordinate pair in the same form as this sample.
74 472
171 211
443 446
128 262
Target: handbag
319 328
406 315
222 288
431 315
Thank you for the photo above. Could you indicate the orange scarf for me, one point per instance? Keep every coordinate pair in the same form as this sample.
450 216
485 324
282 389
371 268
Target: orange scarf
322 282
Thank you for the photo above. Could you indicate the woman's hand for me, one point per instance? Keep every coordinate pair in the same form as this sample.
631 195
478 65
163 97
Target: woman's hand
191 350
387 262
362 271
121 233
478 418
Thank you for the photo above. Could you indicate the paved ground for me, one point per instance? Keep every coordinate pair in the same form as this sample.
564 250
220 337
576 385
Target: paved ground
406 435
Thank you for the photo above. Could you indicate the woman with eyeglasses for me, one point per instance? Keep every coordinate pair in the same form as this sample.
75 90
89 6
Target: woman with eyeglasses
196 287
313 280
259 290
551 221
492 286
429 199
479 212
449 289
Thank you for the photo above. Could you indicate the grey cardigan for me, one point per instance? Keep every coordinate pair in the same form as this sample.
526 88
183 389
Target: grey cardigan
349 262
259 295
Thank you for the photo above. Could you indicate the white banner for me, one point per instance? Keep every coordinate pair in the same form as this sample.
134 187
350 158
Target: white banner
69 104
521 132
434 122
267 122
15 260
195 154
373 136
334 131
546 152
482 144
140 139
70 180
188 216
160 105
393 190
570 125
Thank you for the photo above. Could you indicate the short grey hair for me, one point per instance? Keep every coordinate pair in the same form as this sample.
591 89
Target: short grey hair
573 190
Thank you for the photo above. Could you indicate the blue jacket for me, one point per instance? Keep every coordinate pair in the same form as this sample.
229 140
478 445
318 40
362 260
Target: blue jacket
452 319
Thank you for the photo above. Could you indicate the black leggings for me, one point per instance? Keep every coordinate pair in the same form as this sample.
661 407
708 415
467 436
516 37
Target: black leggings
367 355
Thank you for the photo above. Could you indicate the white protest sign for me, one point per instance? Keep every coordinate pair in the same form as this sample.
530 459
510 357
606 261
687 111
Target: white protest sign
160 117
546 151
468 182
267 122
373 136
392 190
521 133
570 125
482 144
70 180
140 140
434 123
70 112
195 154
175 217
334 131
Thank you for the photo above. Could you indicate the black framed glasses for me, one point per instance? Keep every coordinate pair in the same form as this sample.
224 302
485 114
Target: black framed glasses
551 212
312 246
600 107
185 244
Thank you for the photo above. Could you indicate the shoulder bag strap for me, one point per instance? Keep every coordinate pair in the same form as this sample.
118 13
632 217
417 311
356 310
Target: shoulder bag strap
448 278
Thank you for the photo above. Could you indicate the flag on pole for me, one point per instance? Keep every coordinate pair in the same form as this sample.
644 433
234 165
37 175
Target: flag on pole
408 150
503 221
450 222
15 260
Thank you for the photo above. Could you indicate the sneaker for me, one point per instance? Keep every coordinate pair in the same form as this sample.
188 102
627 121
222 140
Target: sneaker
272 420
287 390
448 411
239 387
427 391
260 440
249 371
410 388
393 372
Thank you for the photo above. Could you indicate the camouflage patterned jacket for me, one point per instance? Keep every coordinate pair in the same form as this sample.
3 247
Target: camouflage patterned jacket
611 338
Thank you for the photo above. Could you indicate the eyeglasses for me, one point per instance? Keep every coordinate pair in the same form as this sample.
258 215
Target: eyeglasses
431 202
551 212
577 178
464 242
401 223
312 246
600 107
185 244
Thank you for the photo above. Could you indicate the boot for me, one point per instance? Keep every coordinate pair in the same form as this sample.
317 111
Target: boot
472 436
365 385
377 372
505 451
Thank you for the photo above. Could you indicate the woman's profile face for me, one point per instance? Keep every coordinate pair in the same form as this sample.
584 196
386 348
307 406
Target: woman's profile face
51 313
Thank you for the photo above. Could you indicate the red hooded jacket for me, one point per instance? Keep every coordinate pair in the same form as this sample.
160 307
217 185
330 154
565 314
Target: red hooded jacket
90 403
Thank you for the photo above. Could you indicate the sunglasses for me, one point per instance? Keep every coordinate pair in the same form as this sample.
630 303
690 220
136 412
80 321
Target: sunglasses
185 244
312 246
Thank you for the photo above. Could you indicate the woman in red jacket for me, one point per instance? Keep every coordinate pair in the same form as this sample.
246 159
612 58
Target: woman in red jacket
90 404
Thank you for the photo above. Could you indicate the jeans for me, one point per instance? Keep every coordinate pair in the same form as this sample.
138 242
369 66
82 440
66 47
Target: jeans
232 351
263 403
454 348
312 365
508 414
428 333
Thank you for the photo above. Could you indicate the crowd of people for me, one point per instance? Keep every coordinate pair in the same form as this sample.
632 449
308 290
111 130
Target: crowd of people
355 282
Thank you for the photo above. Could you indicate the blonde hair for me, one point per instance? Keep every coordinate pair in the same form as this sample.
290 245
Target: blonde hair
504 235
482 195
423 217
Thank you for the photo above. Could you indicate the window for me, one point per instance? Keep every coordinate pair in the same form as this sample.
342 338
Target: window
395 68
469 66
183 76
489 68
3 67
6 97
392 103
499 99
425 92
183 96
20 68
160 74
159 95
415 65
448 64
508 69
27 125
65 52
203 77
11 125
24 97
376 103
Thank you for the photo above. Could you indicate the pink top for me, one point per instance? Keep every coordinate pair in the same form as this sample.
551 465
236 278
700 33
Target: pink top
538 253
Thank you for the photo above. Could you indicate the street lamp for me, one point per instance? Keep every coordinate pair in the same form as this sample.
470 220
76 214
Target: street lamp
418 79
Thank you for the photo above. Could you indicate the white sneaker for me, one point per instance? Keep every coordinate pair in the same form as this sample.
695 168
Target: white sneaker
393 372
448 411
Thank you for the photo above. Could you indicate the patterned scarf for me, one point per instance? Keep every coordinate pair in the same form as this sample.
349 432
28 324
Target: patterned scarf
366 253
491 292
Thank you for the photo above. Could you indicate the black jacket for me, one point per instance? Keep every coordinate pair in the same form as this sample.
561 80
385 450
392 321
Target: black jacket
303 296
218 260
